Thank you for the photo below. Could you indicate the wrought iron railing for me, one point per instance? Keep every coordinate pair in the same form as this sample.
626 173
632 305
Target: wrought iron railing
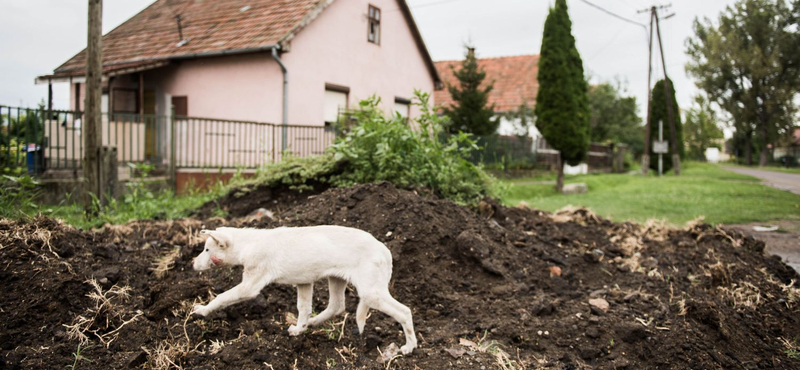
35 140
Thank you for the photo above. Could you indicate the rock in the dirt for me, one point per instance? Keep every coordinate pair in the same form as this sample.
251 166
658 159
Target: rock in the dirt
600 304
389 353
456 352
578 188
554 271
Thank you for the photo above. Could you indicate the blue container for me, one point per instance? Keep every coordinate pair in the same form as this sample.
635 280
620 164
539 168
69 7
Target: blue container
31 156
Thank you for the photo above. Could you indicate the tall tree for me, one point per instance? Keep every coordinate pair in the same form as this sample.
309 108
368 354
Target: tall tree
562 105
749 64
700 130
470 111
658 112
614 117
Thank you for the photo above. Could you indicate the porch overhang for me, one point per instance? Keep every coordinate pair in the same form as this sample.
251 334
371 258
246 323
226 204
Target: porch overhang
109 70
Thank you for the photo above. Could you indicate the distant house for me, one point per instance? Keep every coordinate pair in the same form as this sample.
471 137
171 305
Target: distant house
514 80
298 62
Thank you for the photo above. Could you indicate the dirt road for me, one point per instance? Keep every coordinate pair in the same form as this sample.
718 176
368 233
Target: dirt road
784 243
779 180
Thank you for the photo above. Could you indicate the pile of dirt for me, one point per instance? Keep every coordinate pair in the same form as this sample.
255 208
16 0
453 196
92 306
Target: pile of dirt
506 288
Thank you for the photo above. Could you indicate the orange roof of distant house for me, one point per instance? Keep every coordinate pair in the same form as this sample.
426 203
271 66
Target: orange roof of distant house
514 79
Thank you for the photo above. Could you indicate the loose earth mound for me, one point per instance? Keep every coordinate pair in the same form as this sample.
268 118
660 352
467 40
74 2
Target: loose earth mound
504 288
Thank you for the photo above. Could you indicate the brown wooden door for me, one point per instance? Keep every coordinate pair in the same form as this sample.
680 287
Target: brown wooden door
180 106
150 123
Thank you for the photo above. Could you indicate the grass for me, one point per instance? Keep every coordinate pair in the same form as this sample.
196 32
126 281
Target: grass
159 205
702 190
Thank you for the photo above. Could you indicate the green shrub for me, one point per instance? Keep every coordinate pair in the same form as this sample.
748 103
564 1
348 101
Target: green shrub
380 148
17 196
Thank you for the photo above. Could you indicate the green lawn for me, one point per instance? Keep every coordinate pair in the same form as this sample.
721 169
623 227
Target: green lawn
702 190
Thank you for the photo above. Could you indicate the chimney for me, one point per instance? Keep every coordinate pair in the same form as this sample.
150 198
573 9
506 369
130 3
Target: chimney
470 51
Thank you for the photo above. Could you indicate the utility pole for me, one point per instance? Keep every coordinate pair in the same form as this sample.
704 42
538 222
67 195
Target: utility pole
93 120
646 155
676 159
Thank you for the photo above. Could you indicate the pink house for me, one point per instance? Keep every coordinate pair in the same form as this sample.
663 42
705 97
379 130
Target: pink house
296 62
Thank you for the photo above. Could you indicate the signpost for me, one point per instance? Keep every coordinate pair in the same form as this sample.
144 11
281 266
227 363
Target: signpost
661 147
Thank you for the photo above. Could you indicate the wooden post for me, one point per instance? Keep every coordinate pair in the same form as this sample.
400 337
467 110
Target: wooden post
646 155
92 123
676 157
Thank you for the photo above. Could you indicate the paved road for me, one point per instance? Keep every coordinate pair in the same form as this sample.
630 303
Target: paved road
778 180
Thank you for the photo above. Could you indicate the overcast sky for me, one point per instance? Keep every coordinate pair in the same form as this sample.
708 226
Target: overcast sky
38 35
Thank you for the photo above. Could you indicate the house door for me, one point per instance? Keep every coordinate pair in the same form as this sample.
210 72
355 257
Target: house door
150 124
180 106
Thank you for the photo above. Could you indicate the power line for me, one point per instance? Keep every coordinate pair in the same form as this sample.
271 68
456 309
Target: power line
616 15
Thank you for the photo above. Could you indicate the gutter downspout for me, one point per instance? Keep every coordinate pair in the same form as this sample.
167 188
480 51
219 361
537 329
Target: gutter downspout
285 97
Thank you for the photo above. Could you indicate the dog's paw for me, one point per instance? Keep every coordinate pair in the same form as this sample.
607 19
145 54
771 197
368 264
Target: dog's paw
200 310
406 349
295 330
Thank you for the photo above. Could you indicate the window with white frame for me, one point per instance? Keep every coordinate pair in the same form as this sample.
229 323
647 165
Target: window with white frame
335 103
374 30
402 107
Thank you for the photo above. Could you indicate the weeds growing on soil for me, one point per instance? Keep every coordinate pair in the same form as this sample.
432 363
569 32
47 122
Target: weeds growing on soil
380 148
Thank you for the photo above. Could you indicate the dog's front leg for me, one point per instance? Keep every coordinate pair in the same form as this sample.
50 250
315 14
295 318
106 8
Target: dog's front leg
247 289
304 293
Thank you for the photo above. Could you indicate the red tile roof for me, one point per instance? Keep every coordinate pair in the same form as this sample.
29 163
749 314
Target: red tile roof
209 26
514 79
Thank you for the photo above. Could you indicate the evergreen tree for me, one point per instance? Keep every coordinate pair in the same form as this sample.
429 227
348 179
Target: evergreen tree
562 105
658 112
470 111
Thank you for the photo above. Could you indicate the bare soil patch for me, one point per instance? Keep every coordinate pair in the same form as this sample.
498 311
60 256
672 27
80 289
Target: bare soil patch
498 288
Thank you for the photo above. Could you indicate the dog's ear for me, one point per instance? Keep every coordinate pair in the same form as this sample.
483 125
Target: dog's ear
222 238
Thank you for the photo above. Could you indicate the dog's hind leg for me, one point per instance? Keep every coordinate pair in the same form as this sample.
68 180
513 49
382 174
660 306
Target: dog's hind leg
304 293
337 287
361 315
384 302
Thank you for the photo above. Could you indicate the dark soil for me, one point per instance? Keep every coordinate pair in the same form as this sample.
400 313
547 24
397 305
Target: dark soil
698 298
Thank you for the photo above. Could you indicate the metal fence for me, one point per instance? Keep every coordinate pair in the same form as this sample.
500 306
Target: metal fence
504 152
36 140
213 143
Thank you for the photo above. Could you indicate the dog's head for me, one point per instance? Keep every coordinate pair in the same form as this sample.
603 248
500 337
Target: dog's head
215 252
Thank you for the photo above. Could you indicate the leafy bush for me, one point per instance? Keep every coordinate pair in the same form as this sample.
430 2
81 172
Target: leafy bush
381 148
17 196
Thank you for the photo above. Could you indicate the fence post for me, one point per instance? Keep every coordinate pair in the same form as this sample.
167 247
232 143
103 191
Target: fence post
108 174
172 174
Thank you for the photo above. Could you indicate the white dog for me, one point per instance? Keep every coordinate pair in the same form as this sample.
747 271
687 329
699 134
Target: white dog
300 256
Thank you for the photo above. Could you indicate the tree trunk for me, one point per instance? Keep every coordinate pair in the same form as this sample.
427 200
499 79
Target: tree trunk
748 148
764 157
560 178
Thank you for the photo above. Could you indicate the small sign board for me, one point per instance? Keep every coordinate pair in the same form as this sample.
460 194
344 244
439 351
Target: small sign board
660 147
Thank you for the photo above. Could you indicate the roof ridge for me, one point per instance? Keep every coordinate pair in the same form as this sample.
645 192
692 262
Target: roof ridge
492 57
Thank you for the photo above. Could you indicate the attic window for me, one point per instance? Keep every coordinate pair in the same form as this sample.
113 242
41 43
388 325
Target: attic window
374 31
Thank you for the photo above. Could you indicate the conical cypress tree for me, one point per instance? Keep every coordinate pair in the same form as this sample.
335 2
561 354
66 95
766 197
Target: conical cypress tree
470 111
562 104
658 112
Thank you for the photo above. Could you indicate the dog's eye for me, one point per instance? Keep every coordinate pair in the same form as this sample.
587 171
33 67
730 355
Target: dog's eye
206 249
